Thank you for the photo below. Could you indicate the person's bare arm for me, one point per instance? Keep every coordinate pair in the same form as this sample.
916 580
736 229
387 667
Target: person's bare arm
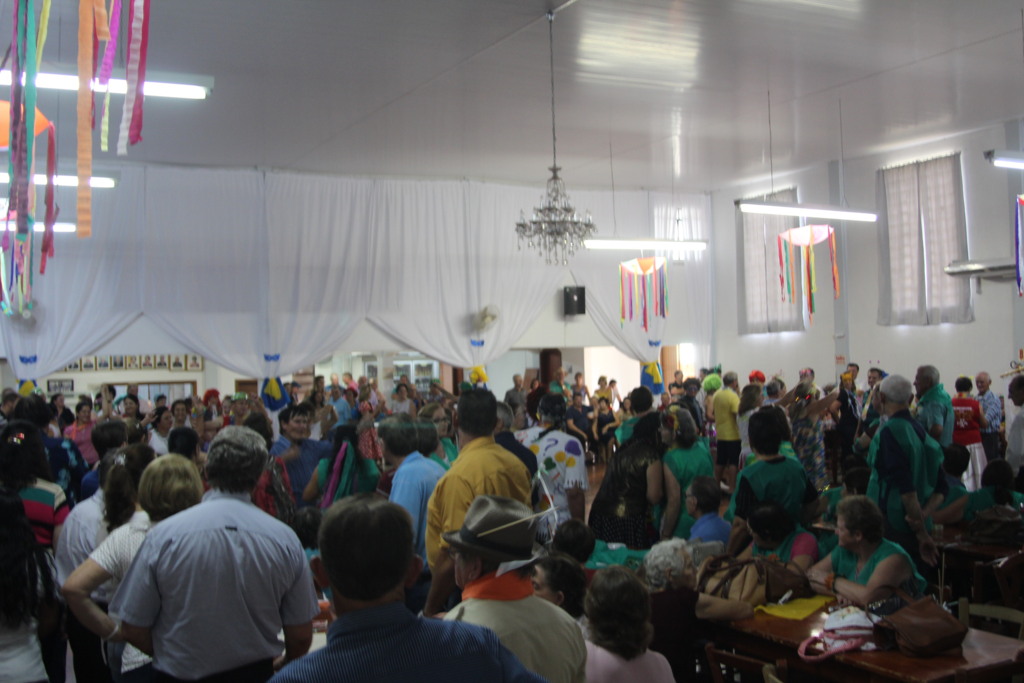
577 502
139 636
655 483
823 404
952 513
312 490
441 586
935 431
915 520
297 639
739 537
77 591
673 504
722 609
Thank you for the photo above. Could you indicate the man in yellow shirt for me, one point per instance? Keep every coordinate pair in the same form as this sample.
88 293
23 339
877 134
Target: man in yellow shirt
726 404
483 467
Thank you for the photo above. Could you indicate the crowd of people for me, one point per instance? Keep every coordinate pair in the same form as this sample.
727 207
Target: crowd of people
450 533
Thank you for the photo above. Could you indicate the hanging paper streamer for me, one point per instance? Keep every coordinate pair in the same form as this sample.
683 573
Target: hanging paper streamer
106 69
643 289
86 11
138 47
805 237
1017 253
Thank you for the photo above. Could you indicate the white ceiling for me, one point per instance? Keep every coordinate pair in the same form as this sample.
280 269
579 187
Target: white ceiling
678 90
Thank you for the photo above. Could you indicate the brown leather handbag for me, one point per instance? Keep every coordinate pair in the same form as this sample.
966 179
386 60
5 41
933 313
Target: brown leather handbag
996 526
922 628
756 580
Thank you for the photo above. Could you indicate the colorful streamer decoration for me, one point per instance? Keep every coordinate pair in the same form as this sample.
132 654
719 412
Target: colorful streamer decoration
803 238
138 48
24 122
643 289
1018 254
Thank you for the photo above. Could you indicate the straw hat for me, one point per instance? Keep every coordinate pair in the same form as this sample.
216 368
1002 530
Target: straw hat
496 528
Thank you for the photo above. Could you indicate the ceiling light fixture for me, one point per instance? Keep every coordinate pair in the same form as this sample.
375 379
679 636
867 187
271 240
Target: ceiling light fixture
1001 158
66 181
642 243
182 91
554 229
804 211
39 227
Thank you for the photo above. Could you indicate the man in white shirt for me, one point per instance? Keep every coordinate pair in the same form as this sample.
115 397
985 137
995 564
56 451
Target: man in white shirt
1015 437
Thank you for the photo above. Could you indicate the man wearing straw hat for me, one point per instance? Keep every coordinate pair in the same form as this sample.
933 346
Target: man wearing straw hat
493 554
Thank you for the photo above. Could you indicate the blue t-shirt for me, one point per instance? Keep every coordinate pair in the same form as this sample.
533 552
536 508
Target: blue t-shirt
711 527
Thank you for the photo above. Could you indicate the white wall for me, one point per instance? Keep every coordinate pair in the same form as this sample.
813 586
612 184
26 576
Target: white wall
986 344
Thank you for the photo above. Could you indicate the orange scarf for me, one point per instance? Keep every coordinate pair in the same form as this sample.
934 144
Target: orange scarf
506 587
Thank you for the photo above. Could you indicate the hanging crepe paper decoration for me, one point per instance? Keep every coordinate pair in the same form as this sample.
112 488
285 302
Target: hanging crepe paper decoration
1018 255
106 68
92 26
20 123
805 237
135 74
643 289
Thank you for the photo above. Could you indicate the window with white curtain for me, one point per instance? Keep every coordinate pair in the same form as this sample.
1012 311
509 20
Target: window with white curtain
923 227
762 307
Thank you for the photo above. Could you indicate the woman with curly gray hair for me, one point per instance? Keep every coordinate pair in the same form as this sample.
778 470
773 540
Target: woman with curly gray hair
618 610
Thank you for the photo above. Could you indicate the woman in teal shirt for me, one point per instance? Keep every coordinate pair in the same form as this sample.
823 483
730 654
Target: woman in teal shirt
777 537
864 566
689 457
996 489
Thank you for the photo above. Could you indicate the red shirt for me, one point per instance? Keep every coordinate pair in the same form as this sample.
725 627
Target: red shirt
966 421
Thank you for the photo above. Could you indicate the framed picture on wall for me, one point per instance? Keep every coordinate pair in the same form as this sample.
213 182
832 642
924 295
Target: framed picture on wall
160 362
194 362
73 366
88 363
102 362
146 362
131 362
177 362
117 362
63 386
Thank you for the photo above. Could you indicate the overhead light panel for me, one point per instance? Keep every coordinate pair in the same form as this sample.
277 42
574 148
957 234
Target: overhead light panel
805 211
182 91
1001 158
39 227
66 181
648 244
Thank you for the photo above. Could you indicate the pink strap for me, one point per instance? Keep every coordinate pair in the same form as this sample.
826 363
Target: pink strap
852 643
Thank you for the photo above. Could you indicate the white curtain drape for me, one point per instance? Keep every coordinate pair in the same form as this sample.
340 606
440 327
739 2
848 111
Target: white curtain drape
204 264
450 250
761 308
90 290
318 278
923 228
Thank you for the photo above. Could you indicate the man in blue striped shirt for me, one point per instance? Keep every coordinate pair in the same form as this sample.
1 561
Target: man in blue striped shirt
366 556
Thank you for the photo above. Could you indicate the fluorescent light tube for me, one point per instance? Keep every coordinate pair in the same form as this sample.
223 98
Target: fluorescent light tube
66 180
643 243
12 226
183 91
1005 159
805 211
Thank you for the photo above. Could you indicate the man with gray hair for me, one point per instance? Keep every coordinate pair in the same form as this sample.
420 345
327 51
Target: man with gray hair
934 406
992 407
201 568
504 437
906 479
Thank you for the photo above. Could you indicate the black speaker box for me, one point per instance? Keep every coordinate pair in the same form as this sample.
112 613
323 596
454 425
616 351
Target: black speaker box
574 301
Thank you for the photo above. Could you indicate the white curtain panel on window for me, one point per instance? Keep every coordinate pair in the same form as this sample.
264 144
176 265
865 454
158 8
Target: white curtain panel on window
922 229
944 220
319 276
88 294
204 264
761 308
446 251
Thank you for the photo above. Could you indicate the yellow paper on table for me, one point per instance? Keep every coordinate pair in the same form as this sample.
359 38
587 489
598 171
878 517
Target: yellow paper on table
798 609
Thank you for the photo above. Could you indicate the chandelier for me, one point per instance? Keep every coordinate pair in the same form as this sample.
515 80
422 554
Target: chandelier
554 229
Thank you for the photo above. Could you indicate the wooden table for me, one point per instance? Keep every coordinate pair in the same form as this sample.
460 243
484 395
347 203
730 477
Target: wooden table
956 550
771 638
